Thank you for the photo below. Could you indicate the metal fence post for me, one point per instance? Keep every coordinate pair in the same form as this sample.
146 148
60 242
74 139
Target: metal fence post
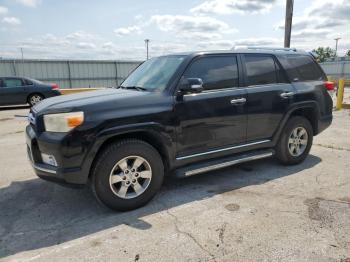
14 68
343 69
116 73
340 94
69 74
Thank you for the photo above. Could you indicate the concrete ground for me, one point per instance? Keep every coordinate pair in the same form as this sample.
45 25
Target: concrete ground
252 212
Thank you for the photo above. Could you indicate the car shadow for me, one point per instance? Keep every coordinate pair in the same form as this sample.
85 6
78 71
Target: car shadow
6 108
36 214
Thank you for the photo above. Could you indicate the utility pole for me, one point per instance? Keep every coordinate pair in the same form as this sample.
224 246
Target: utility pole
22 53
147 42
288 22
336 45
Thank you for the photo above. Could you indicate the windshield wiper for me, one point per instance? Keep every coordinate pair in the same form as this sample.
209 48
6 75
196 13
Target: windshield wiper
138 88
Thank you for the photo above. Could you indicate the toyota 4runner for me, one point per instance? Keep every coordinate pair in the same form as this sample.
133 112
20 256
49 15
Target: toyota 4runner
181 114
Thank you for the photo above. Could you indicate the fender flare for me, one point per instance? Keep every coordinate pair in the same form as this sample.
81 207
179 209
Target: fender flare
155 129
296 106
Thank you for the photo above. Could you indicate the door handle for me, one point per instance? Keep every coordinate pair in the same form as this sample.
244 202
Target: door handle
287 94
238 101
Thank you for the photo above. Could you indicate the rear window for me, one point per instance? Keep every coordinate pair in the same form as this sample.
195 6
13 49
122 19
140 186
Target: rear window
301 68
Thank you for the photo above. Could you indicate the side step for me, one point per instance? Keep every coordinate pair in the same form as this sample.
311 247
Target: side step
210 165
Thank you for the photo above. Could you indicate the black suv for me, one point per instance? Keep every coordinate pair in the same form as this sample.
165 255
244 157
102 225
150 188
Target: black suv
181 114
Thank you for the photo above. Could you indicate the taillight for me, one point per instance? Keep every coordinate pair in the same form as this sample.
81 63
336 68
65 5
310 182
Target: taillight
329 85
54 87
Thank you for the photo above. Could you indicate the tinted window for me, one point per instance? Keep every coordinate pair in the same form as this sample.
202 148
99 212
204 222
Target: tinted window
12 82
301 68
262 70
216 72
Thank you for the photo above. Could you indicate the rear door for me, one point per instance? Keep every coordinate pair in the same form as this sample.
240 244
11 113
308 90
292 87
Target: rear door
269 95
212 119
12 91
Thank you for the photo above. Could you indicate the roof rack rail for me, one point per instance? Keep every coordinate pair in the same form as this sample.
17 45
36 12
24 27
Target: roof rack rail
266 48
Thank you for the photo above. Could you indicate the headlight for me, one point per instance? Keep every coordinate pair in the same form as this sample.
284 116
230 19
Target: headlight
63 122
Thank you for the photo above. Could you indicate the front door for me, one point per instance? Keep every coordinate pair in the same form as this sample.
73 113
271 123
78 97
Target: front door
269 95
215 118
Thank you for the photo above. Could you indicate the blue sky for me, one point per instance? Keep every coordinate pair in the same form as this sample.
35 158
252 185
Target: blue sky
108 29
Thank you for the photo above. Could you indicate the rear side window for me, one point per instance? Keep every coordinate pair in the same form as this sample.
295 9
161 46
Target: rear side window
216 72
28 82
301 68
262 70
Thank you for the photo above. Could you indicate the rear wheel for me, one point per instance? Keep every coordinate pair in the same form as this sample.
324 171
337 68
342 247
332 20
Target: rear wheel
34 99
127 175
295 142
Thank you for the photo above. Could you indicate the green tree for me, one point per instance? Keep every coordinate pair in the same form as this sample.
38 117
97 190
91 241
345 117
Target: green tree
323 53
348 53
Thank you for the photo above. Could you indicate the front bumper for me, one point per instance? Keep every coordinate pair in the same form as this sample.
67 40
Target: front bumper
63 173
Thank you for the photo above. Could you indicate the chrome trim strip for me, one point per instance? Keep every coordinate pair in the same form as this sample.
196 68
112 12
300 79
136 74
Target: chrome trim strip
44 169
226 164
223 149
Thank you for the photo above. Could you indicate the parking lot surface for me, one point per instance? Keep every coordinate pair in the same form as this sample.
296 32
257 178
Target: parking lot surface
251 212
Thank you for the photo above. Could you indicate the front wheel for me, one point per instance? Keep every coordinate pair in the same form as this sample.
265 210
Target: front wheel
295 142
127 174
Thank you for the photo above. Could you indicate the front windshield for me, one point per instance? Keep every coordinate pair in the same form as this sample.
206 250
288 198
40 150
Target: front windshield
153 74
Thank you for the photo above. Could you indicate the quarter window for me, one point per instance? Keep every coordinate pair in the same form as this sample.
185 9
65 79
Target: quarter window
302 68
12 82
262 70
216 72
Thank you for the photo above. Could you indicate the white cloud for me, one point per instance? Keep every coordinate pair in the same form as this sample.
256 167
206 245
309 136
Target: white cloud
3 10
10 20
259 41
84 45
320 23
202 27
224 7
123 31
29 3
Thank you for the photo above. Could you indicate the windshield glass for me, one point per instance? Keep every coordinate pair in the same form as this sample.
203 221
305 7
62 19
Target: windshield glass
153 74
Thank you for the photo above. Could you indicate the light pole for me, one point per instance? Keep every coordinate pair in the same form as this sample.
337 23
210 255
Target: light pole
336 45
147 42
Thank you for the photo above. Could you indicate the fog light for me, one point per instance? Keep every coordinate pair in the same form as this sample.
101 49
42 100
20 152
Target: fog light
48 159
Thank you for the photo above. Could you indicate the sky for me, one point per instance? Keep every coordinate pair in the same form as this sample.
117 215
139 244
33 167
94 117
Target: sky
116 30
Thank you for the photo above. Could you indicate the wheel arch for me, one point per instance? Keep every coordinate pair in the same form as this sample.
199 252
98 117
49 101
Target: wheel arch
148 136
309 110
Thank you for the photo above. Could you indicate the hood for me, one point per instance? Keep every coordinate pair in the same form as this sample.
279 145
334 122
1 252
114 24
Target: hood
66 103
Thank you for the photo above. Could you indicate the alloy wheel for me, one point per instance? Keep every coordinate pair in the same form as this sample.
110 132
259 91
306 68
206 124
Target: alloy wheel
297 141
130 177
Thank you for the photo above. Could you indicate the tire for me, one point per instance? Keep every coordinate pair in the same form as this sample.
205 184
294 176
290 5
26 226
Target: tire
33 99
285 152
113 194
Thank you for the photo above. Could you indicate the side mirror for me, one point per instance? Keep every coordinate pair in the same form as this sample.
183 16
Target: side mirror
191 85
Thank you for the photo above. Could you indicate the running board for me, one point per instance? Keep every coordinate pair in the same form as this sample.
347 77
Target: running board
207 166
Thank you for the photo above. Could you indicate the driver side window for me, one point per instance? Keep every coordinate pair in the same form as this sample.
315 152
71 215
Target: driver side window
217 72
